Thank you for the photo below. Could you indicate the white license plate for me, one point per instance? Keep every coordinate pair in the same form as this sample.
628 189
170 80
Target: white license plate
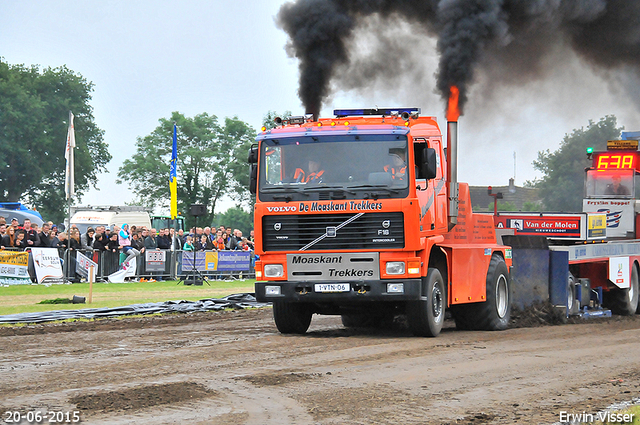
332 287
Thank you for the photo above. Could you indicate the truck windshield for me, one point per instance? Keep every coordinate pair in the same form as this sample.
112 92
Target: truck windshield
610 184
330 167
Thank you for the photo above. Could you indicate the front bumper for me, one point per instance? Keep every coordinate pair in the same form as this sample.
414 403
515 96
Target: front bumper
365 291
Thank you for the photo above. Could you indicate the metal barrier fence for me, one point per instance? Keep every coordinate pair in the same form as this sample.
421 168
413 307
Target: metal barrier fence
109 262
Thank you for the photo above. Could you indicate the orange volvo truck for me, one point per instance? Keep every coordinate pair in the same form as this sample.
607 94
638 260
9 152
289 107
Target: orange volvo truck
362 216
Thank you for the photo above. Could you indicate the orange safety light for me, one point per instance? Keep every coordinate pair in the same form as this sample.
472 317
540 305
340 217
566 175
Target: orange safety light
264 128
333 123
346 123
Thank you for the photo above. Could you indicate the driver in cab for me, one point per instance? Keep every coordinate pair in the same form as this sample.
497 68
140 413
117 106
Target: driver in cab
314 175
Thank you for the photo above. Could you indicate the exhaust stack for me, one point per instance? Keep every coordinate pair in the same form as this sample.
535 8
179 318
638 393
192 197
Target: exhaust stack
453 113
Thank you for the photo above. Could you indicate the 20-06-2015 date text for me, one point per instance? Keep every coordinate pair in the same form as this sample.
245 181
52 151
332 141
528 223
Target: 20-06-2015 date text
41 417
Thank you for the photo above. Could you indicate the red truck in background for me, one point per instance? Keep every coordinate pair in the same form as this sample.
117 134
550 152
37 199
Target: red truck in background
602 243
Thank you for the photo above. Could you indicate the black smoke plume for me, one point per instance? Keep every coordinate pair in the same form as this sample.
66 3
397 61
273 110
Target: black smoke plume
511 36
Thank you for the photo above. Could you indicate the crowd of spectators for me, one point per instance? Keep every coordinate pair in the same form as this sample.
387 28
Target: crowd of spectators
131 241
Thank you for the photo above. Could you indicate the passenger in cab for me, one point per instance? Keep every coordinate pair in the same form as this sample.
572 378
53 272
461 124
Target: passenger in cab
398 164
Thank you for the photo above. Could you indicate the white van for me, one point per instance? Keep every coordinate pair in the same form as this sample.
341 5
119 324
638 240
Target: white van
109 216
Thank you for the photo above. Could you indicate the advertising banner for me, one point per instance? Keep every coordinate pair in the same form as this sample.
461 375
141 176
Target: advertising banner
83 263
216 261
14 268
620 214
556 226
155 260
47 264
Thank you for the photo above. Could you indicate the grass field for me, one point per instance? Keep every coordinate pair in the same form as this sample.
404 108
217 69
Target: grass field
25 298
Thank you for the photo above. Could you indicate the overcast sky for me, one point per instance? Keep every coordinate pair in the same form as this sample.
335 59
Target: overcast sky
149 58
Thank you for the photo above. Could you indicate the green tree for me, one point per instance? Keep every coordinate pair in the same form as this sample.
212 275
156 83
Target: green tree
212 162
562 184
34 110
236 218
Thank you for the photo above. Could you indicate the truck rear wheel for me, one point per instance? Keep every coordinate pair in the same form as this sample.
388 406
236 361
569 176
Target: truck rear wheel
291 318
426 316
625 301
495 313
573 306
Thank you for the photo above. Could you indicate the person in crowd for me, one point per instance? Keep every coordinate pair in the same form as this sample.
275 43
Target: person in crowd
8 240
112 244
182 236
176 240
205 244
219 241
100 239
60 242
150 242
15 224
43 236
242 245
74 239
3 230
124 241
137 241
188 244
230 242
31 235
3 220
87 239
163 239
21 240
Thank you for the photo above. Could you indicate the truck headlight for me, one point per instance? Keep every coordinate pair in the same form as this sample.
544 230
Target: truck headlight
272 290
273 270
395 267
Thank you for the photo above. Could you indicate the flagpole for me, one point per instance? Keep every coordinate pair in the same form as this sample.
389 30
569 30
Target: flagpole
69 185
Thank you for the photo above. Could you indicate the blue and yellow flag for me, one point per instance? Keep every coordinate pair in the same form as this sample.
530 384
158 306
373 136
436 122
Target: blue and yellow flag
173 176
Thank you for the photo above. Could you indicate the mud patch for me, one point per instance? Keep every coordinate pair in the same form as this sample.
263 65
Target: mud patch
141 397
373 404
278 379
478 418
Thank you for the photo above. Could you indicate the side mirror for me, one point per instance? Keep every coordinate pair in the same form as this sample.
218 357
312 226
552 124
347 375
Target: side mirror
253 179
253 154
429 166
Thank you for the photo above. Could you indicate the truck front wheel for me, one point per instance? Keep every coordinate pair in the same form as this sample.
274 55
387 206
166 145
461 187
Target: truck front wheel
625 301
291 318
426 316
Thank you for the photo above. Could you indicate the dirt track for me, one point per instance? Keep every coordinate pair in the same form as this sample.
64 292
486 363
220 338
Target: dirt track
233 367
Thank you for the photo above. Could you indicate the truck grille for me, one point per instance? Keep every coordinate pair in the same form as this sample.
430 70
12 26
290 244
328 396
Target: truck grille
333 231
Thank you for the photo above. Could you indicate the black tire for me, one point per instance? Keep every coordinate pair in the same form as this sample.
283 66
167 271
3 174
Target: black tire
426 316
573 307
495 313
625 301
291 318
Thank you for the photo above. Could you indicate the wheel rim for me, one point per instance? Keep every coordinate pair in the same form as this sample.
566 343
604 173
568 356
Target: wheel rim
436 302
502 296
632 291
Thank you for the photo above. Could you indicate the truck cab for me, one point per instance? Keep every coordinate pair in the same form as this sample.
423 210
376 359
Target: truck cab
612 187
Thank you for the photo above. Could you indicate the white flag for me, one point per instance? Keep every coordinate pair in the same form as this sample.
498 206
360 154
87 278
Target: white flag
69 188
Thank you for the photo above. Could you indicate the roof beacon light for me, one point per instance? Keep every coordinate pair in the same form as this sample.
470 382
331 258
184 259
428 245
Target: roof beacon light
410 112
